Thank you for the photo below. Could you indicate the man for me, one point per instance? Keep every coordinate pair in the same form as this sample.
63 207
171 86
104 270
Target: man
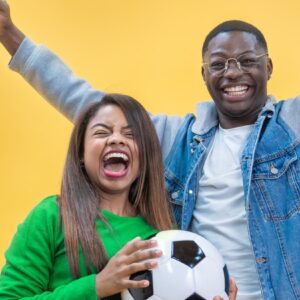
232 172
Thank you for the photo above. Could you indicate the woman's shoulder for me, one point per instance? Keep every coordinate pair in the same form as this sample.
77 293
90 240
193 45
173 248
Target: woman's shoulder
46 211
40 228
47 205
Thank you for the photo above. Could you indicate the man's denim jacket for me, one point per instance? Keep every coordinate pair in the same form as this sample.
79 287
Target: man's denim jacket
270 164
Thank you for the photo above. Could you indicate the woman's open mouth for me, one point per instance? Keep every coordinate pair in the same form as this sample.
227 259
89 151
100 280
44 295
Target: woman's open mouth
115 164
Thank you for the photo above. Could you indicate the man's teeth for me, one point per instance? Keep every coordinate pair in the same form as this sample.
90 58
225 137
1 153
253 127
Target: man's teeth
234 89
116 155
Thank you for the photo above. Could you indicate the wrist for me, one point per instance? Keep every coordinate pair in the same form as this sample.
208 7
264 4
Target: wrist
11 38
104 286
98 286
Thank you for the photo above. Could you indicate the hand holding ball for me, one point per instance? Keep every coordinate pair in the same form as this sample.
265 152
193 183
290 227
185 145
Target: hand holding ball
190 268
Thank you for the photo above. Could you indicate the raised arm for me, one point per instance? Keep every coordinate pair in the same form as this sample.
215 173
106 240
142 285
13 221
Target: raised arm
44 70
10 36
58 84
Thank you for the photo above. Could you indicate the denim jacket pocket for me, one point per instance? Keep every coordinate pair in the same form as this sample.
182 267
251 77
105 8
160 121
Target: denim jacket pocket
276 185
175 191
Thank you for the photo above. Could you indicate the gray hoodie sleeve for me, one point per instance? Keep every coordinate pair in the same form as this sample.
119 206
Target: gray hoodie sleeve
57 83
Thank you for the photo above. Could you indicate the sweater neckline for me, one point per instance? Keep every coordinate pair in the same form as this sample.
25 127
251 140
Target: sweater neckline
110 214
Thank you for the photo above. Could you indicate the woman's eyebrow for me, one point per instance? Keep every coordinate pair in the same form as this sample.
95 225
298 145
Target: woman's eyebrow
100 125
109 127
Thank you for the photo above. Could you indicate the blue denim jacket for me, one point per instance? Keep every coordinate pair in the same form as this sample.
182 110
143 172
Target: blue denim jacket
270 164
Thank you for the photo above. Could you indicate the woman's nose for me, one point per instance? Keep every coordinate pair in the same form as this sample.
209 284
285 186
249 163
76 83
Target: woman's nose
116 138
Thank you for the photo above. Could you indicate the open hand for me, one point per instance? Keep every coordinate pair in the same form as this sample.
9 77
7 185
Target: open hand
135 256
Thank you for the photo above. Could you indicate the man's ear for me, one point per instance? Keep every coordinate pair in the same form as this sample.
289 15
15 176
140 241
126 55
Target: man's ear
203 74
270 67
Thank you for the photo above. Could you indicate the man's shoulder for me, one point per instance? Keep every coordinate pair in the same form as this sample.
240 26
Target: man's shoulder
289 113
289 106
291 101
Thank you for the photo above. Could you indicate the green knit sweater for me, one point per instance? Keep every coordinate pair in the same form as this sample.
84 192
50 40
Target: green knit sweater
36 262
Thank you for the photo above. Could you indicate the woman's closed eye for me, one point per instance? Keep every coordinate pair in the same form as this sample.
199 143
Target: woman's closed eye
101 133
128 134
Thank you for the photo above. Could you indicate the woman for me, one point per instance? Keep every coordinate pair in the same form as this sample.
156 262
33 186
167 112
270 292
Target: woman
112 178
75 246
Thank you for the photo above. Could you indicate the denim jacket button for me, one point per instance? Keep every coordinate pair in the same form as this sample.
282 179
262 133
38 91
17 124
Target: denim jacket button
274 170
261 260
190 192
174 195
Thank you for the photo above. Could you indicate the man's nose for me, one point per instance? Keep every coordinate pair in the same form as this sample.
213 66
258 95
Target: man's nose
233 67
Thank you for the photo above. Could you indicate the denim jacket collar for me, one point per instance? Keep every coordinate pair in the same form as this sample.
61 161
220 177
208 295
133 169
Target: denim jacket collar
207 117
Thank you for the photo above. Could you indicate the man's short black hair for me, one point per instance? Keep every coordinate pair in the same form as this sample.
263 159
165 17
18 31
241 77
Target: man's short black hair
234 25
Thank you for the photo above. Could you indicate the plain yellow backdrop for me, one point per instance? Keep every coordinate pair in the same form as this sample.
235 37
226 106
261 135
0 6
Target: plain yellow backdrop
148 49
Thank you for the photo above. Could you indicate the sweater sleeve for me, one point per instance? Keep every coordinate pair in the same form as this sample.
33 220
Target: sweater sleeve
30 257
70 94
53 79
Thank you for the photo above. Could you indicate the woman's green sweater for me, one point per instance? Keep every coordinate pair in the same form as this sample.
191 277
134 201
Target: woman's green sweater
36 262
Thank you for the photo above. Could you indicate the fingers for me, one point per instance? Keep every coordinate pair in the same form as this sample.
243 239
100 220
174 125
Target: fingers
138 267
4 10
144 255
137 244
136 284
138 251
136 256
232 289
3 5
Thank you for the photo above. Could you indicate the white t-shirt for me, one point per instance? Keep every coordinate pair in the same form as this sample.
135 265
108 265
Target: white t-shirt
220 214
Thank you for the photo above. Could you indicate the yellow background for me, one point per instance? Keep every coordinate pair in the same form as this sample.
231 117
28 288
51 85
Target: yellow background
148 49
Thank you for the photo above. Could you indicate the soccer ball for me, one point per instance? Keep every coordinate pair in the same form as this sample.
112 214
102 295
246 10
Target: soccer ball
190 268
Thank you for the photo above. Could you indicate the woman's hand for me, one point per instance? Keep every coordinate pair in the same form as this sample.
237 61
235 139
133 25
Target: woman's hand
135 256
10 36
232 291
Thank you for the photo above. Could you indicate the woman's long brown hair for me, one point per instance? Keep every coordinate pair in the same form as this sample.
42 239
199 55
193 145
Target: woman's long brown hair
80 198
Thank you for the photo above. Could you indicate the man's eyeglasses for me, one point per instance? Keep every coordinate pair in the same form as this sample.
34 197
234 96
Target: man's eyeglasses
246 63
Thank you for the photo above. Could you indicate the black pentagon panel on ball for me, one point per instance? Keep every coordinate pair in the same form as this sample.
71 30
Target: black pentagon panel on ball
227 280
195 297
187 252
145 293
